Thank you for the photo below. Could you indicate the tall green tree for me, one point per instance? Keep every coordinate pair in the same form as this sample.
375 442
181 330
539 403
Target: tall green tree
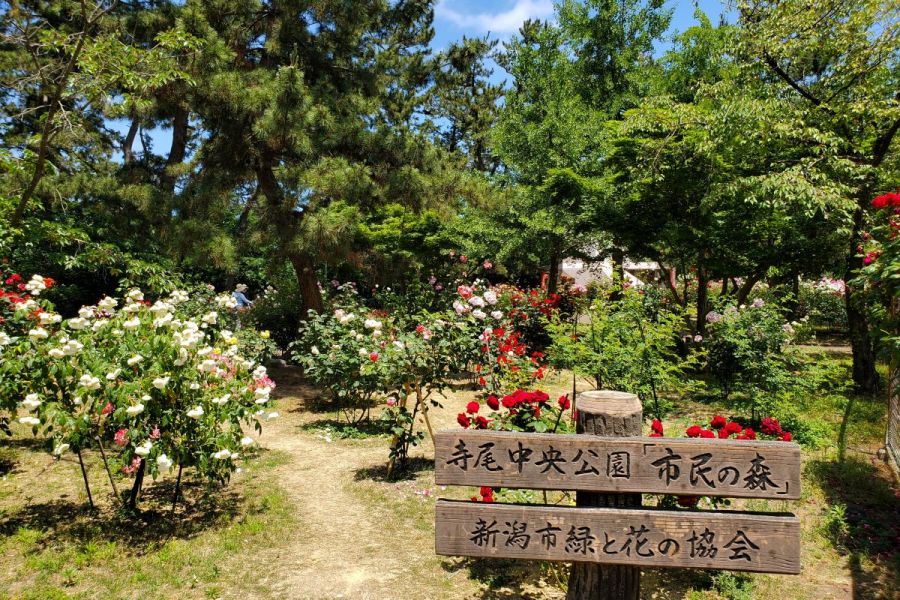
835 64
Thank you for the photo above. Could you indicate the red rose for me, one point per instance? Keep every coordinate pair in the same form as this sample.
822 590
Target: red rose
463 420
486 491
107 409
654 434
472 407
770 426
373 356
688 501
493 403
718 422
564 402
420 329
748 434
509 401
481 423
481 381
694 431
657 427
733 427
786 436
487 499
880 202
723 434
707 433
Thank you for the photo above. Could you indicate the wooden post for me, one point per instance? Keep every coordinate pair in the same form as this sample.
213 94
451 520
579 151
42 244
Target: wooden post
610 414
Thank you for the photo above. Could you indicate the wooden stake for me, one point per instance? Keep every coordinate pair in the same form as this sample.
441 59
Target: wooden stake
87 486
177 487
611 414
112 481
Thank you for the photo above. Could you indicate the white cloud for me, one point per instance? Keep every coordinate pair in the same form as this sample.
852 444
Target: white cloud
507 21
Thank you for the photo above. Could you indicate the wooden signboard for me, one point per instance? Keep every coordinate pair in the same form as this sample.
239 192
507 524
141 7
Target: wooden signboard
644 537
608 537
733 468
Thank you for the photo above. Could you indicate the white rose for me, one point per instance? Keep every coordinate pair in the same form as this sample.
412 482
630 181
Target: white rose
89 382
107 303
163 463
314 351
222 454
5 340
134 410
31 402
29 421
490 297
134 360
56 353
194 386
78 323
246 441
59 450
259 372
221 399
161 382
372 324
479 314
38 333
72 348
196 412
84 313
497 314
132 323
135 295
47 318
272 415
477 301
210 318
113 375
144 449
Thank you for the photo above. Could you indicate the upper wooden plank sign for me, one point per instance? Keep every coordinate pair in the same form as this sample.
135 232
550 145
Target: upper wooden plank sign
733 468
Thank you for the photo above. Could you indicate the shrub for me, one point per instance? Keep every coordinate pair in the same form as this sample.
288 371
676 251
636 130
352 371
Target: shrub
167 386
748 354
629 344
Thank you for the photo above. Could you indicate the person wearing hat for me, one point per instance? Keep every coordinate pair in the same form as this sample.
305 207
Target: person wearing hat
239 297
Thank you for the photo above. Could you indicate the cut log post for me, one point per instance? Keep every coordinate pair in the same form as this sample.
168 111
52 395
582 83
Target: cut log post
610 414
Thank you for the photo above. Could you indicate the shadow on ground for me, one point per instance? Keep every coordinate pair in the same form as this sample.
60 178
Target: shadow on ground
864 520
414 466
200 507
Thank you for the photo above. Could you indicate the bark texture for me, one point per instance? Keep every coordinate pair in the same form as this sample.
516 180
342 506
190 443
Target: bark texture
610 414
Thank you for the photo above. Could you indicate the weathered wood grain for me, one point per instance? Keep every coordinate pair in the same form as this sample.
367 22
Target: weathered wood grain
733 468
644 537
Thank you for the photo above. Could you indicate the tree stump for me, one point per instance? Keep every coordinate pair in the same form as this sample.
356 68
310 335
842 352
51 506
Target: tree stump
610 414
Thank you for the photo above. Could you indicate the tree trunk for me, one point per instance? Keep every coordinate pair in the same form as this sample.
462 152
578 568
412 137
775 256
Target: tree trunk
865 377
617 258
128 144
553 275
702 300
611 414
178 149
310 293
136 488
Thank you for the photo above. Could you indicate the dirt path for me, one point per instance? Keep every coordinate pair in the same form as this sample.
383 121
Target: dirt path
348 545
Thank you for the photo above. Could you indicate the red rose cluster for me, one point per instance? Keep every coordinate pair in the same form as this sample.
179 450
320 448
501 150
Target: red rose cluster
885 200
722 428
468 418
485 494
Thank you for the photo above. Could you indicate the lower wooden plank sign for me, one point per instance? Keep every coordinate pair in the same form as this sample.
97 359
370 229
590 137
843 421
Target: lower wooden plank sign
642 537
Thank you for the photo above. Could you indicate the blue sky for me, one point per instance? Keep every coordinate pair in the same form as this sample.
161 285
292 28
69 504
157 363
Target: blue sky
501 19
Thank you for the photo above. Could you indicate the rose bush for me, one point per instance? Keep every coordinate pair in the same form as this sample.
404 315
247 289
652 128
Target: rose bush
165 385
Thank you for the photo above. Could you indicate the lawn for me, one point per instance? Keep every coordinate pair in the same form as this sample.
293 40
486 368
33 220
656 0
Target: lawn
312 516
